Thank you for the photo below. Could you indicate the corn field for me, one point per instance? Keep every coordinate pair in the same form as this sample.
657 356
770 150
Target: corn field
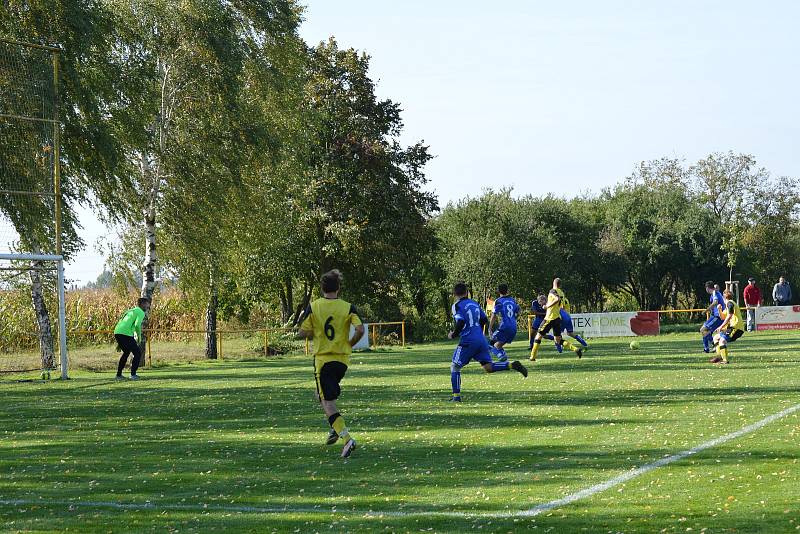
89 310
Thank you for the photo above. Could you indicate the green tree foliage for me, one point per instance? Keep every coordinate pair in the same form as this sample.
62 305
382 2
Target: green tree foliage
344 193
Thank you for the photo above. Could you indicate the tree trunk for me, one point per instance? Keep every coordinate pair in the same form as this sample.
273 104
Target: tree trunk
298 314
42 318
287 302
211 323
289 296
150 258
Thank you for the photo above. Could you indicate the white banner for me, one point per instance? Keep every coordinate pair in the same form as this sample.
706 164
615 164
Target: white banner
778 318
363 343
616 324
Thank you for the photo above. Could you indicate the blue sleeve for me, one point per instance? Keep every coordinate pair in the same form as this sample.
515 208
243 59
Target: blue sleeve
457 314
498 307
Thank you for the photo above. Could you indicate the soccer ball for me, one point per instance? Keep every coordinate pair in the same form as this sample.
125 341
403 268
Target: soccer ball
634 345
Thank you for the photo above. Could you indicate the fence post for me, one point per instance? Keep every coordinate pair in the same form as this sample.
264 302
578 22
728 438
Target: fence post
307 344
149 353
266 342
219 344
374 339
403 334
530 328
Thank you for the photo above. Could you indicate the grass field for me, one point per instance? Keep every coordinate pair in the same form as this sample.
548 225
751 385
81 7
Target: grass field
221 446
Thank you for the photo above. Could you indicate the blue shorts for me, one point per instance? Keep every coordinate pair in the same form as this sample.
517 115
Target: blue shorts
713 323
471 351
537 323
505 335
566 322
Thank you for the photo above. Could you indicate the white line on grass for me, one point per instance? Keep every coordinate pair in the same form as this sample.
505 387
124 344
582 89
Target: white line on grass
633 473
536 510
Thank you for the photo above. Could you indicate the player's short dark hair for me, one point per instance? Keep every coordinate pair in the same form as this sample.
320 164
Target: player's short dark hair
502 289
709 285
331 281
460 289
142 302
557 282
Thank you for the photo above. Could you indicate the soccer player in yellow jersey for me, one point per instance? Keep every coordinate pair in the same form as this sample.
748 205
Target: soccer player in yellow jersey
327 321
730 330
552 321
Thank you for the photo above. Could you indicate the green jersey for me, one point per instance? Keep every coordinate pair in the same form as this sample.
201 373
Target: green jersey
131 323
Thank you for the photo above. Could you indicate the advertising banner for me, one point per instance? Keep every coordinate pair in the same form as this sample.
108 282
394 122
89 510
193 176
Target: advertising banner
617 324
778 318
363 343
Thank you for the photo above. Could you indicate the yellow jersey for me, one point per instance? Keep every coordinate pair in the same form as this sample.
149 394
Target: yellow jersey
564 300
554 310
732 309
329 320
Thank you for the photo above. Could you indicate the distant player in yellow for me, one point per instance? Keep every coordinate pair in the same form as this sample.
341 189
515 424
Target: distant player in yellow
552 321
730 330
327 321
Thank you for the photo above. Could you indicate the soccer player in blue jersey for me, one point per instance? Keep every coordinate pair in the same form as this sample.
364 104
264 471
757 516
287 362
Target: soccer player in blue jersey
469 320
538 311
568 327
715 311
507 309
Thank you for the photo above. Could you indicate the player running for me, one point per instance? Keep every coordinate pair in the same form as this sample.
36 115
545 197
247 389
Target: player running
327 321
715 311
538 311
507 309
129 326
730 330
552 321
469 320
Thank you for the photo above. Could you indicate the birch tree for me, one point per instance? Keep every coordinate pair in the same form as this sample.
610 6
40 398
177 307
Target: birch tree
183 62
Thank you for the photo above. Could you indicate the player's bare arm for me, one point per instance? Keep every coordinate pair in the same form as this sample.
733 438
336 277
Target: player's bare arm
357 335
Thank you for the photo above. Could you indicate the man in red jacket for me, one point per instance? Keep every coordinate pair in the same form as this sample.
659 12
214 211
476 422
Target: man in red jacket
752 299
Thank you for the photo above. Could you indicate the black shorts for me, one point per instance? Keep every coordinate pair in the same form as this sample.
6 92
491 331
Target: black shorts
733 335
554 325
328 377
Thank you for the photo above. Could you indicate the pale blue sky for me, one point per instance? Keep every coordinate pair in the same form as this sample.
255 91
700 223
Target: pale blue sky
568 96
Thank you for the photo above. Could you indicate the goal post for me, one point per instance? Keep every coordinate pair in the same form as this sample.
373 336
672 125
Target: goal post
30 184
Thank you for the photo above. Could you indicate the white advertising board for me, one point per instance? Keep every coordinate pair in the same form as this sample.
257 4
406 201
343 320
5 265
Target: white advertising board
778 318
363 343
617 324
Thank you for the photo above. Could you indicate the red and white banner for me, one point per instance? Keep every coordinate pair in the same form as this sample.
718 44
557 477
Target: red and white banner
778 318
617 324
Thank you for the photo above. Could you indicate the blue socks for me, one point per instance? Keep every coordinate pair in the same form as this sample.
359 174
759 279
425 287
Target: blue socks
581 340
499 366
455 381
707 340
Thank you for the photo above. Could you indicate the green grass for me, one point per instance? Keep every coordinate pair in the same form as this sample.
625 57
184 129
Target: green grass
196 441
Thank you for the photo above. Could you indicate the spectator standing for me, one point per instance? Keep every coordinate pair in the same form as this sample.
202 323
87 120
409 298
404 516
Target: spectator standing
752 300
782 292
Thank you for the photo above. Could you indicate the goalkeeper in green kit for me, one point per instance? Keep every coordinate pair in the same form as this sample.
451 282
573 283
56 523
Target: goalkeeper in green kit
127 327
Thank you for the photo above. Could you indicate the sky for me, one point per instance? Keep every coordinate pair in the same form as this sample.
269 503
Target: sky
567 97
